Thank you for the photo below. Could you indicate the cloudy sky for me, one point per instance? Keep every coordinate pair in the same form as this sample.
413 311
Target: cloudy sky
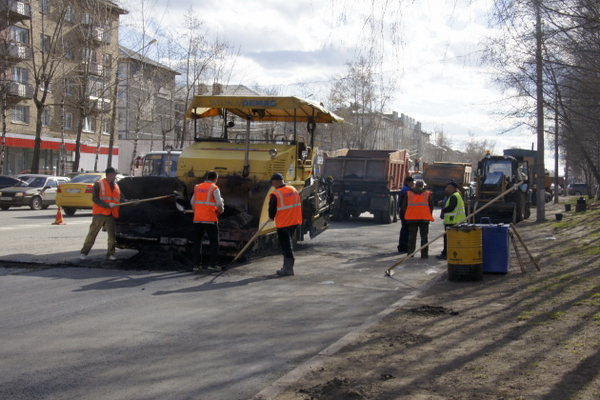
431 49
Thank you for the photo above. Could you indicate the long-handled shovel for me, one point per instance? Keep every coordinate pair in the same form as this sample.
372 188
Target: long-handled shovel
390 270
174 194
250 242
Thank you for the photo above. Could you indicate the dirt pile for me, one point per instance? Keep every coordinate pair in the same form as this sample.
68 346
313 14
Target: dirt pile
238 221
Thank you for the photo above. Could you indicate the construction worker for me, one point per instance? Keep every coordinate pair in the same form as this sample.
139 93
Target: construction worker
207 204
403 239
285 207
418 206
453 211
106 196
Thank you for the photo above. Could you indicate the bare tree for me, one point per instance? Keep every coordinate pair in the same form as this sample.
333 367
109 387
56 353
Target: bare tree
475 149
203 63
46 60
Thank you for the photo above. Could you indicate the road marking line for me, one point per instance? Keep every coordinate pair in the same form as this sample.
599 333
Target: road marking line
15 227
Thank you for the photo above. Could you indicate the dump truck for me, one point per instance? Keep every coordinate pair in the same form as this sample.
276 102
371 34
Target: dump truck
245 159
367 181
495 175
438 174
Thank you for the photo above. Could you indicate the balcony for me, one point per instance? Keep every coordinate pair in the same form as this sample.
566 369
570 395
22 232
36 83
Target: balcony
15 10
100 35
100 105
16 52
92 68
19 91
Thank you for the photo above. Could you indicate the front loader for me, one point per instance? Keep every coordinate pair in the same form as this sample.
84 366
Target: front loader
496 174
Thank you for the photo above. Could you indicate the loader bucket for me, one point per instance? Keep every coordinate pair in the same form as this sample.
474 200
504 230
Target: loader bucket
497 213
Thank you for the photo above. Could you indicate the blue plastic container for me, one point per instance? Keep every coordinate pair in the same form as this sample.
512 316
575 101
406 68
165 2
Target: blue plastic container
495 247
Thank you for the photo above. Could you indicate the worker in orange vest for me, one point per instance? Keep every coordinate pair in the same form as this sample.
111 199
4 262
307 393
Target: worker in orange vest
418 204
285 207
207 204
106 197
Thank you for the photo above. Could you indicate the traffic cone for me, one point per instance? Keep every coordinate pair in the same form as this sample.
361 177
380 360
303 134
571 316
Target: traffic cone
59 218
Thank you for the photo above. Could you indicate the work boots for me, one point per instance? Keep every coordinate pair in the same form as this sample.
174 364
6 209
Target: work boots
288 267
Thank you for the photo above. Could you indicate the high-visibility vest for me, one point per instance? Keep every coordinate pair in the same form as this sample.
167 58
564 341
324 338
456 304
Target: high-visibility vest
289 207
205 205
458 214
417 207
107 195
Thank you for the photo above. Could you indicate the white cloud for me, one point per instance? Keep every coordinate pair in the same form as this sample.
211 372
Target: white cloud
301 45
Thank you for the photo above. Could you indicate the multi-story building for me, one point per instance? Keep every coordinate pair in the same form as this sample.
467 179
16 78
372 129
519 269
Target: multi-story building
57 68
150 115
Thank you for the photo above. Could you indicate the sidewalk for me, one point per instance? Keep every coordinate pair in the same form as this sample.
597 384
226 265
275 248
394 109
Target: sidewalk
515 335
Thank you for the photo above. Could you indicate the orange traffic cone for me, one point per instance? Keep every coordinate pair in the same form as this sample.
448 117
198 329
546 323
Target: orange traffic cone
59 218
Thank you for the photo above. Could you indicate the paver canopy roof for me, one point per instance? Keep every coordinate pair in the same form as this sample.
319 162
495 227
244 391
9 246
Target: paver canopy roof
262 108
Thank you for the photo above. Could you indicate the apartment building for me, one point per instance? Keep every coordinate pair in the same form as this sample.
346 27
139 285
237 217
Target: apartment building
58 65
150 111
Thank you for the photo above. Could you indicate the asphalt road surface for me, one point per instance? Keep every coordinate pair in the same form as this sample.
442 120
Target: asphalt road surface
76 329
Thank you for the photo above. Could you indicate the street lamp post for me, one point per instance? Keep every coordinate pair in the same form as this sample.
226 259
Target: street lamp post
115 127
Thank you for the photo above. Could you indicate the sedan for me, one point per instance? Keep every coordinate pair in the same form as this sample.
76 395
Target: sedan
36 191
8 181
77 194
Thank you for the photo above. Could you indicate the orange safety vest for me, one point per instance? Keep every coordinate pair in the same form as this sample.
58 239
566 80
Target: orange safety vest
107 195
417 207
289 207
205 205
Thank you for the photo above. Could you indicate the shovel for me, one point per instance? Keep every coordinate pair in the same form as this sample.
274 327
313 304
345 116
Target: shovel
175 194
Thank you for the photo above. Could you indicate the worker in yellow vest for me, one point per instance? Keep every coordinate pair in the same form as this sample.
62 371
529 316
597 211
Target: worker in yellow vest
418 206
453 212
285 207
207 204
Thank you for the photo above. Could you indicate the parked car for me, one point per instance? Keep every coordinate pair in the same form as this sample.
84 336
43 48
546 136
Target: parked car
37 191
8 181
578 189
77 194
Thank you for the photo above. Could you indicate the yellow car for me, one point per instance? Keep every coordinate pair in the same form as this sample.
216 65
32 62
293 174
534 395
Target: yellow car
77 194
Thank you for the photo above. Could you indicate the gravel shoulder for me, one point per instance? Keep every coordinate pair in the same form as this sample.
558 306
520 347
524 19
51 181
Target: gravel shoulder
533 335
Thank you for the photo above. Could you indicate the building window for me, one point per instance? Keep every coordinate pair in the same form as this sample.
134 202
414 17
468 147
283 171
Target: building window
89 124
89 55
68 120
106 60
44 6
69 14
20 114
43 86
69 53
46 117
122 70
106 127
19 35
46 43
20 75
95 87
69 87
